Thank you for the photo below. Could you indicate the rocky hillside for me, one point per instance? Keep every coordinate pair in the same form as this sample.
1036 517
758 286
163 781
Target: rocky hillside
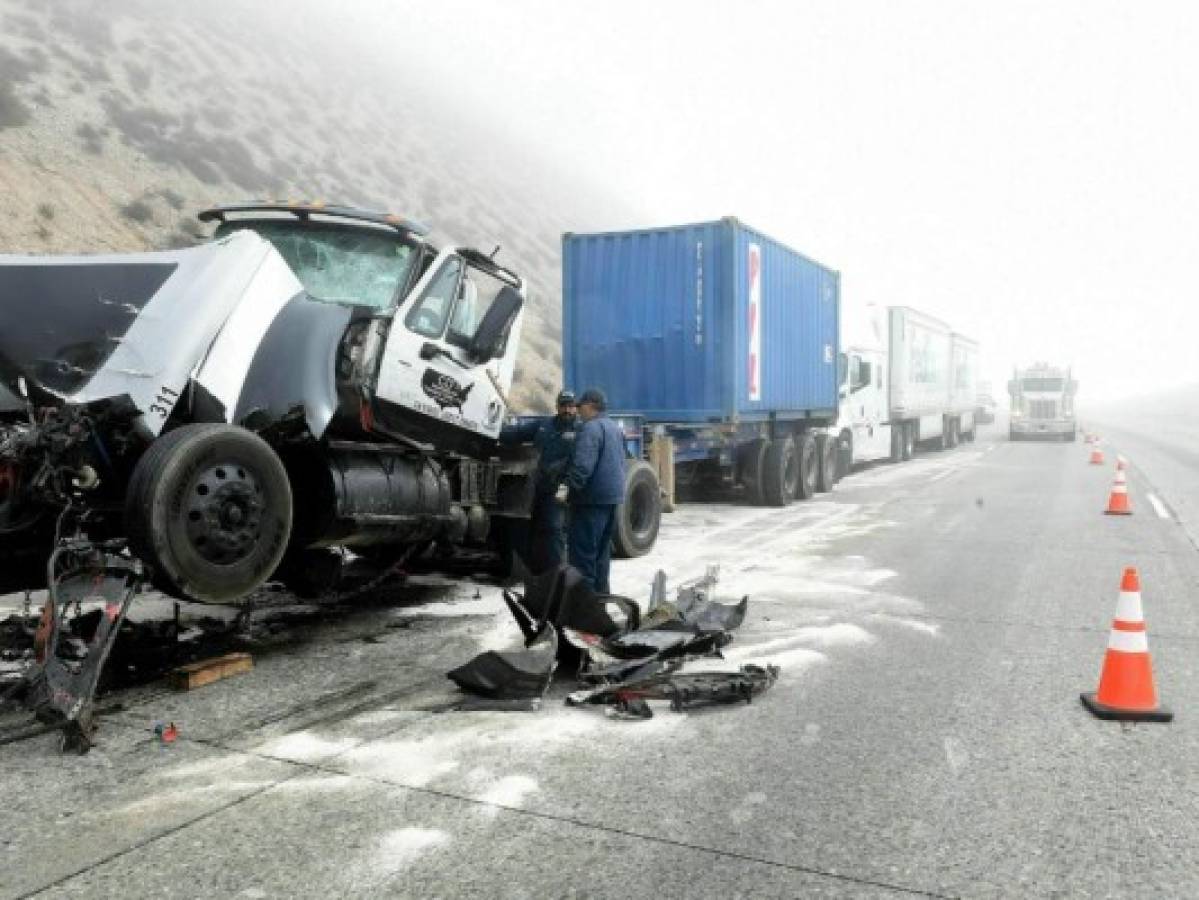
119 121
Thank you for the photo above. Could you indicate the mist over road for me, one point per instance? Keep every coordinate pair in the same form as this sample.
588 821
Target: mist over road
1160 437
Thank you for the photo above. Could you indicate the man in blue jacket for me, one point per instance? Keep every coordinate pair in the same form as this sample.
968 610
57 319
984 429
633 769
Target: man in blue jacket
554 438
595 478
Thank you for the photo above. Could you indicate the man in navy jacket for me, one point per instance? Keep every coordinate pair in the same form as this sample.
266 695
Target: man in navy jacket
554 438
595 478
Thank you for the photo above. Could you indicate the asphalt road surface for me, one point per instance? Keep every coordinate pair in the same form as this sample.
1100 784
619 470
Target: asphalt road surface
935 623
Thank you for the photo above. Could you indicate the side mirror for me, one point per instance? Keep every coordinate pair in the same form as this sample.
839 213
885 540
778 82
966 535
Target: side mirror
493 330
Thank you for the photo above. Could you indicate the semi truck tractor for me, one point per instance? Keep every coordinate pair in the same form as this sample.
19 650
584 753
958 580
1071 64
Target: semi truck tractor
717 347
313 377
906 380
1042 398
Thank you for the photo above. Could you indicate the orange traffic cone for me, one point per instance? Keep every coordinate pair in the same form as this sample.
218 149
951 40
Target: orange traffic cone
1096 455
1117 502
1126 690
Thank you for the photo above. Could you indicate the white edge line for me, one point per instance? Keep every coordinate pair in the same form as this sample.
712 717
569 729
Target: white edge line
1159 507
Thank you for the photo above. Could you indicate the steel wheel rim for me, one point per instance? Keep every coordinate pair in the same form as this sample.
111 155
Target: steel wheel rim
223 513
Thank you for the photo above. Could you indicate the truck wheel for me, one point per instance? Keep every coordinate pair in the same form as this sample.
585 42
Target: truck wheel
780 474
640 515
208 509
951 434
899 442
808 467
909 440
751 462
826 463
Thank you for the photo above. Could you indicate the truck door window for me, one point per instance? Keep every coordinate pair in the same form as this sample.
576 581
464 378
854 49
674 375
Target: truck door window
476 293
428 316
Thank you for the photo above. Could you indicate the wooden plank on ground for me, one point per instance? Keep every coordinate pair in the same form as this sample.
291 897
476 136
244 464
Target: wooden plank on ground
206 671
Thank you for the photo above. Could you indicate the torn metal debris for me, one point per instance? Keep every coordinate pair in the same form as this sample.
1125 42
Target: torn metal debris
60 686
622 661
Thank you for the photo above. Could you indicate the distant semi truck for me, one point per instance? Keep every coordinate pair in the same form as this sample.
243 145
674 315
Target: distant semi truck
915 382
1043 403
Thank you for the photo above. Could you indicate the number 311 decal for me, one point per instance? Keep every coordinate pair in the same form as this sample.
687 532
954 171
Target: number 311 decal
162 404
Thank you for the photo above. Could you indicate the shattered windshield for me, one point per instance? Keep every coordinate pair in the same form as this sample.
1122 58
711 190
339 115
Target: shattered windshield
339 264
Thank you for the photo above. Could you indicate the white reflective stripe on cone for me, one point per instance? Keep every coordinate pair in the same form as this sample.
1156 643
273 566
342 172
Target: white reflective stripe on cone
1128 641
1128 607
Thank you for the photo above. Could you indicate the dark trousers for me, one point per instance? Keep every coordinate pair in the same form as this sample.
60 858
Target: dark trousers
589 543
547 540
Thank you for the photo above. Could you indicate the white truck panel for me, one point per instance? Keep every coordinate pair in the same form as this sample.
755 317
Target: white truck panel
919 366
963 379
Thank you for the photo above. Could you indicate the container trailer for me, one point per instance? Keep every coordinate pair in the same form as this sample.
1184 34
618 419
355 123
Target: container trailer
717 347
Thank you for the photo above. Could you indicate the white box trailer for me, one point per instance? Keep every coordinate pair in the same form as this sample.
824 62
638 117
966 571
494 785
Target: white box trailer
906 380
963 387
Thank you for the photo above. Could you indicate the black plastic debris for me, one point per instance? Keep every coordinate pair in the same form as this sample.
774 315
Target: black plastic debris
564 599
516 675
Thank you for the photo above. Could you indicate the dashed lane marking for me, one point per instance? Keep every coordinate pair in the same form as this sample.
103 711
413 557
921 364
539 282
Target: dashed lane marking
1159 507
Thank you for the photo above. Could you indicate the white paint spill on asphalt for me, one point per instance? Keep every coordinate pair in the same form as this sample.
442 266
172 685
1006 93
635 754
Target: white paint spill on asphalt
930 628
401 848
507 792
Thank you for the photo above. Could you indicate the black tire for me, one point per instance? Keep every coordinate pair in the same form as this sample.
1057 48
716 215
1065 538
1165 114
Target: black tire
952 436
808 466
780 472
639 517
751 462
970 435
826 463
899 439
844 454
209 510
909 440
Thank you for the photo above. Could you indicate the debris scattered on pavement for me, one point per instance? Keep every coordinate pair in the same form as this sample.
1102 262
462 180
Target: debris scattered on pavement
621 658
166 733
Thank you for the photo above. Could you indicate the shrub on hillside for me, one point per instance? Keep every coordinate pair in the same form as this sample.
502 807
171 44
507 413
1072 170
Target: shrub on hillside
13 112
138 211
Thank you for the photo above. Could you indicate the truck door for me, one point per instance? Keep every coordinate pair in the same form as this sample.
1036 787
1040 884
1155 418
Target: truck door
433 363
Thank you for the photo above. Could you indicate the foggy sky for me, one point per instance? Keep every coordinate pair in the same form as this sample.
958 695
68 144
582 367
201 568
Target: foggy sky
1026 171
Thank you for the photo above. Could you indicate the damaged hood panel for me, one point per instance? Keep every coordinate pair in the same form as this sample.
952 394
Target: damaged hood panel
87 328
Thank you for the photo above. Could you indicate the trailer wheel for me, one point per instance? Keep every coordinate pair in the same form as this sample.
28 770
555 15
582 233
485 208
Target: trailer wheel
951 434
751 462
909 440
809 465
780 473
209 509
640 515
899 442
826 463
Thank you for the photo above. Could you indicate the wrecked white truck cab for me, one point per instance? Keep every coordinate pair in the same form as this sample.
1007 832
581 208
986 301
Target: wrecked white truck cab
312 377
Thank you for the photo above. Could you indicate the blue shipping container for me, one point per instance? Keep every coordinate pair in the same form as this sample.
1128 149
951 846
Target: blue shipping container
712 322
